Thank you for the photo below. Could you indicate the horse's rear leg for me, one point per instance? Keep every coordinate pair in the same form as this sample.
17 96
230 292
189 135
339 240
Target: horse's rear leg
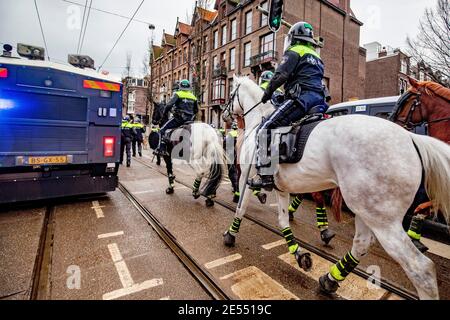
338 272
196 187
322 220
419 268
303 259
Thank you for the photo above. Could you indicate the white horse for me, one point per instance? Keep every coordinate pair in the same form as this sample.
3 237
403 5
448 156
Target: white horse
377 179
201 148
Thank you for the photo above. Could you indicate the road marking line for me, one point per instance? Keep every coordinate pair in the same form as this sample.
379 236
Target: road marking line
115 252
133 289
253 284
222 261
124 274
275 244
165 298
352 288
141 192
274 204
437 248
98 209
109 235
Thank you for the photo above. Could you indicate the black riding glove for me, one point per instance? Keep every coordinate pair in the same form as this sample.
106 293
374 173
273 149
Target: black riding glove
266 97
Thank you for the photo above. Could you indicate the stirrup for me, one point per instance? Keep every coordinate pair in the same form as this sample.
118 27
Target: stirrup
262 182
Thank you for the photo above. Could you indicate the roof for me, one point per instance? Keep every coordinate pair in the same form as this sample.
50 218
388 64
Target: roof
157 52
206 14
184 28
62 67
169 39
392 99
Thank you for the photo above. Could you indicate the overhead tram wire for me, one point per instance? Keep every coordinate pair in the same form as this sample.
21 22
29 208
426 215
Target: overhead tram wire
42 30
85 27
82 26
107 12
123 31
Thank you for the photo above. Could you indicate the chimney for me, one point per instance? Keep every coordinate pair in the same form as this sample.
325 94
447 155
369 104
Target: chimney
382 53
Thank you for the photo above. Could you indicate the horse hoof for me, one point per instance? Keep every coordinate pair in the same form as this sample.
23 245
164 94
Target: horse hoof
328 286
196 195
291 216
236 199
209 202
228 239
169 190
262 197
304 260
419 245
327 235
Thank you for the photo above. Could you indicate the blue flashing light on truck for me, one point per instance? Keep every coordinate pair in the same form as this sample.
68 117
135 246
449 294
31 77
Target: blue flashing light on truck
59 127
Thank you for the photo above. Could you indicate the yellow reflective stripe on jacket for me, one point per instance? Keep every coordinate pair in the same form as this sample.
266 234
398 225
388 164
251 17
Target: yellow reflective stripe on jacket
302 50
127 125
137 125
186 95
233 133
264 86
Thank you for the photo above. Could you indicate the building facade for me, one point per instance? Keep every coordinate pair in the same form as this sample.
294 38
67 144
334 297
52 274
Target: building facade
235 39
388 69
135 99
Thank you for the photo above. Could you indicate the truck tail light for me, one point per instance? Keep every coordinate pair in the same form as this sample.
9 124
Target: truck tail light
3 73
108 146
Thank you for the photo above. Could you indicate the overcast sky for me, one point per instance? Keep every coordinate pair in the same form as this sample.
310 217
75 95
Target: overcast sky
386 21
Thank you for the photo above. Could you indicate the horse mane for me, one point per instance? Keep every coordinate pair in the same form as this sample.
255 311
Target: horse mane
435 88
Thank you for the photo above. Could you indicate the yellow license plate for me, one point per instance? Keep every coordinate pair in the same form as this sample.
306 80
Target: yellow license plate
47 160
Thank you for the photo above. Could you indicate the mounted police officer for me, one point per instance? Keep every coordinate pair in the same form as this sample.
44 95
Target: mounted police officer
126 138
278 95
184 108
138 136
301 72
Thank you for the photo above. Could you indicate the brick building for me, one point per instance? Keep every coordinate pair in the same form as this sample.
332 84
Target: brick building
235 39
387 71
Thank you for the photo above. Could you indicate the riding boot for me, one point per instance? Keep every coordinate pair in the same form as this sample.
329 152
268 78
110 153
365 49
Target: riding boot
162 149
262 181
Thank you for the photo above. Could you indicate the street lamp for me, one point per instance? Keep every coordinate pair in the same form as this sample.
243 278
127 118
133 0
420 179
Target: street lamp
150 91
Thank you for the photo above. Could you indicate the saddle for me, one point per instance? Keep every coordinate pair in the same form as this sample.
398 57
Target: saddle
292 140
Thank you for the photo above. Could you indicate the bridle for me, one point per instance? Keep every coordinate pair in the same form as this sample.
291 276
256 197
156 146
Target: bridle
406 121
229 105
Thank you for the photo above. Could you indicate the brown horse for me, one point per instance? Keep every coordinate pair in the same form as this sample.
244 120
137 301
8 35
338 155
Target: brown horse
424 103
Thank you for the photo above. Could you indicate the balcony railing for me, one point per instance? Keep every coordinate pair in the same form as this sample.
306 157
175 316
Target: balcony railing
263 57
219 72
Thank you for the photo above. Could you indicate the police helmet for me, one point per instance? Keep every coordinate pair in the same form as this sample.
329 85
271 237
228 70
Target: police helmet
301 32
266 76
126 118
185 85
234 125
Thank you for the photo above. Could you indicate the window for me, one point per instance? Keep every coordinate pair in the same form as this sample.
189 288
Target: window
248 22
140 82
132 96
404 66
130 107
185 55
264 5
205 44
233 35
215 39
337 113
403 86
230 86
218 90
224 34
232 58
215 64
247 53
267 43
421 76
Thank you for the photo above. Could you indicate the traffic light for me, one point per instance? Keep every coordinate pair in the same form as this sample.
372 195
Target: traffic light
275 12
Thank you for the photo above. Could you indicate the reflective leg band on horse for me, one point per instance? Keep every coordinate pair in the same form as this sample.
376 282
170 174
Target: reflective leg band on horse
290 240
196 185
415 229
295 204
235 225
322 220
343 267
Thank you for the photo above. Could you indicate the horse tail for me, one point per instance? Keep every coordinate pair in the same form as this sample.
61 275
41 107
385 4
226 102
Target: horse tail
215 156
435 156
336 204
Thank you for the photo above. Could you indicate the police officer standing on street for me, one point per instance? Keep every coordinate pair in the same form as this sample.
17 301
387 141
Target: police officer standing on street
126 138
138 136
184 108
301 72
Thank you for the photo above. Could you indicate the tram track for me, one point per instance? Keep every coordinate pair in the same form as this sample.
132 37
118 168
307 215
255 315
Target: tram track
40 286
203 277
383 283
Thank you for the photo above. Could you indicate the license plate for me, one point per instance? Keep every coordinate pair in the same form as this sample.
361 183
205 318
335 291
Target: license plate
47 160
